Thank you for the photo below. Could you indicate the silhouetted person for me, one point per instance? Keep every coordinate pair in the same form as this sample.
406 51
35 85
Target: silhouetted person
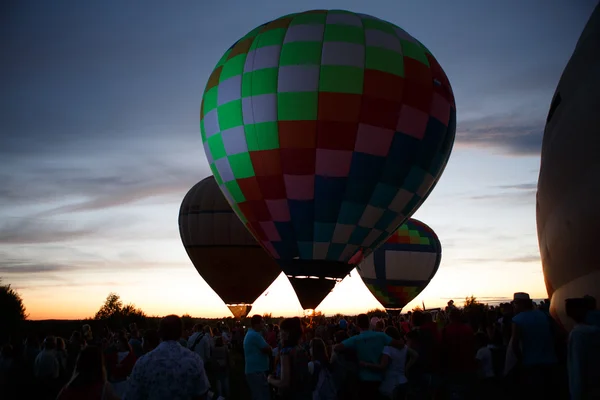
593 314
170 371
89 378
292 379
46 369
135 341
74 347
200 342
150 341
533 345
369 347
583 359
120 363
257 355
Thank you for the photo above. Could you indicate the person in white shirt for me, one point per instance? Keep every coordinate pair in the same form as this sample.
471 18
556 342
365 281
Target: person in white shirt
583 352
200 342
46 366
226 335
395 362
485 364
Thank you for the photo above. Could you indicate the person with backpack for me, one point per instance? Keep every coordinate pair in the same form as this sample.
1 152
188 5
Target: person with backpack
320 369
199 343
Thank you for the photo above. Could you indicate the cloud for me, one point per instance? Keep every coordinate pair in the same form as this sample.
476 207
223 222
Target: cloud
69 285
534 78
533 258
117 195
36 231
516 192
100 119
513 134
92 189
524 196
33 270
520 186
25 268
530 258
474 260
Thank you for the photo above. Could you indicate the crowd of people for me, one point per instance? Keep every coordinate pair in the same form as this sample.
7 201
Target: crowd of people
514 350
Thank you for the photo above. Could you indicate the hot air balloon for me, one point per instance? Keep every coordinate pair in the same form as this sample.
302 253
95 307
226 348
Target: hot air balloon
224 253
325 130
403 266
568 193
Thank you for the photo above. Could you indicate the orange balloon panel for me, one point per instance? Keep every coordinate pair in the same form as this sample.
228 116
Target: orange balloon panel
224 253
568 198
240 311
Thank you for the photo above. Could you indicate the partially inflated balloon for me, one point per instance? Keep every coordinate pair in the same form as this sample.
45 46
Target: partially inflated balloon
325 130
568 197
403 266
227 257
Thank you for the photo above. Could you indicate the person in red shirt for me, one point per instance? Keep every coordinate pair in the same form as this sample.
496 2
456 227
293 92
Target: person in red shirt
271 337
428 325
458 348
120 363
404 325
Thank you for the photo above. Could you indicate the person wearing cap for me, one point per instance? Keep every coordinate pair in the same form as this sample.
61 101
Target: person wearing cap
583 352
532 343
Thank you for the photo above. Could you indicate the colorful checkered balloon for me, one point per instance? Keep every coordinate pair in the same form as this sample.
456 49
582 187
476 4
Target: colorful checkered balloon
403 266
325 130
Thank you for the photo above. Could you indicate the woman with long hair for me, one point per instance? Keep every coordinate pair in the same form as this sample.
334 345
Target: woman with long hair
89 378
292 379
62 357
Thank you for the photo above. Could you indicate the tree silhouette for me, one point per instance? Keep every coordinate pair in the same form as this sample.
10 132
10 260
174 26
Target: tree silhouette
472 302
188 321
115 315
377 312
12 310
474 311
112 306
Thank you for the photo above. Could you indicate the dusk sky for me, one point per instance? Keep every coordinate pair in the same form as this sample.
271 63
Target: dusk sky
100 141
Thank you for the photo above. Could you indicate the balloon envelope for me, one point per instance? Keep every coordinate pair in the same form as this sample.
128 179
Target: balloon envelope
568 193
403 266
224 253
325 130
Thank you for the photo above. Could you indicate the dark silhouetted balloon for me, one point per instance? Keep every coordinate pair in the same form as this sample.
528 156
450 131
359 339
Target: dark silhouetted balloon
224 253
568 195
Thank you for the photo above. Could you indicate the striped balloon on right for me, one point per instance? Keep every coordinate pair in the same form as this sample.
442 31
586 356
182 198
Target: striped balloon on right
403 266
